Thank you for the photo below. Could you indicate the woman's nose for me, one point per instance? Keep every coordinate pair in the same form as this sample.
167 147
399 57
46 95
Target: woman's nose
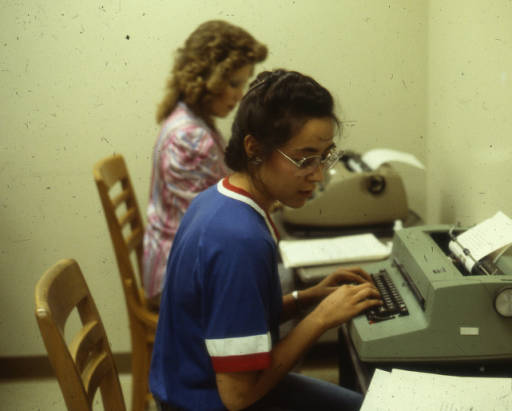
318 174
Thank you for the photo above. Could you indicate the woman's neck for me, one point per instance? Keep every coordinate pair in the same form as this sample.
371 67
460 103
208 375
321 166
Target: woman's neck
247 183
204 115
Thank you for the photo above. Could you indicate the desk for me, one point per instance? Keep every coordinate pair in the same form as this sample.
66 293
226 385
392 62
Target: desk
356 374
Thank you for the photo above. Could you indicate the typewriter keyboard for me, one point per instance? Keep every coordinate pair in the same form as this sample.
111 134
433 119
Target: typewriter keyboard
393 304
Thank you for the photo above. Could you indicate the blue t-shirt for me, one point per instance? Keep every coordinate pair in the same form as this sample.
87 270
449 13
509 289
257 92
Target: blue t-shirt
221 301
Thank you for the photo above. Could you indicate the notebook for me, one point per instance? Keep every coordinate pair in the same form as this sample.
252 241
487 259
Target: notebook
322 251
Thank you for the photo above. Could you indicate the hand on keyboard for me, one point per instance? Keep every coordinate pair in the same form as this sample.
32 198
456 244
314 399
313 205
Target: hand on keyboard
351 275
346 302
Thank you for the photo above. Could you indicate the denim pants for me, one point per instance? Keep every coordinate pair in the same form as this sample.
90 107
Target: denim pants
300 393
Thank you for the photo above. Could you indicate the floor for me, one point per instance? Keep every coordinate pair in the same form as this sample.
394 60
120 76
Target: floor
45 395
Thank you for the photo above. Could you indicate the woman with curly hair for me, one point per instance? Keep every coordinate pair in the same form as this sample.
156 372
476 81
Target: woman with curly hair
207 81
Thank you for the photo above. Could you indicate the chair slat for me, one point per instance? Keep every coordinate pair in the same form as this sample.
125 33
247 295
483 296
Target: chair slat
119 198
134 238
84 342
96 369
127 217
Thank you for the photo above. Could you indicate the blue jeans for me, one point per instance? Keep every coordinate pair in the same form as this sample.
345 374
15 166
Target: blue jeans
300 393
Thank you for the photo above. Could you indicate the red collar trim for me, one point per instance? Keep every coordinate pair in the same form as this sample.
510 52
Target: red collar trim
228 186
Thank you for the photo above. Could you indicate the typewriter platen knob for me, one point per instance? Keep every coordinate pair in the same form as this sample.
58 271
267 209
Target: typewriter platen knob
376 184
503 302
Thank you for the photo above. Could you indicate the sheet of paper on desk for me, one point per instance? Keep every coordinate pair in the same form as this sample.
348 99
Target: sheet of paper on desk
321 251
409 390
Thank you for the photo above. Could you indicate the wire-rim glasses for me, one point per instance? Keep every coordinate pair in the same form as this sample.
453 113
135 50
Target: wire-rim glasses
309 164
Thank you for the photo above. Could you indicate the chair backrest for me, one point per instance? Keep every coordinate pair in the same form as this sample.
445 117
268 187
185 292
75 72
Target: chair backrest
124 222
86 364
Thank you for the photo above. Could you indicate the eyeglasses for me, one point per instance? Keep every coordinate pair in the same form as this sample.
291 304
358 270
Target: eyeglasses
307 165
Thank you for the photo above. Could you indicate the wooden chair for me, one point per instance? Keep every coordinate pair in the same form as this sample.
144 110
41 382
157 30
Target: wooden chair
86 364
126 232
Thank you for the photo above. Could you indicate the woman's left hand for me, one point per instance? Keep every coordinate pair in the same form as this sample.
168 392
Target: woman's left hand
344 275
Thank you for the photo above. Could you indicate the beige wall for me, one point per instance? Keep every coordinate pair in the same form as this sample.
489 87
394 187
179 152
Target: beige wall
74 89
469 121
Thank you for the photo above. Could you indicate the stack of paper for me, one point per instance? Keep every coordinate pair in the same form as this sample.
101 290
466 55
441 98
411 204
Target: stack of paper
345 249
402 390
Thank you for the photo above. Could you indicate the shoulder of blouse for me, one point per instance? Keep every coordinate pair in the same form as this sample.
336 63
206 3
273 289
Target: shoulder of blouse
184 123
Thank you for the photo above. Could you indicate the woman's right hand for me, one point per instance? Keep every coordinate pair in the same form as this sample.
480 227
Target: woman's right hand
345 303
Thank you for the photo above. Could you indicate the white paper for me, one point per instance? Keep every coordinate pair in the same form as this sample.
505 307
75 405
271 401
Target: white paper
381 395
490 236
406 390
352 248
375 158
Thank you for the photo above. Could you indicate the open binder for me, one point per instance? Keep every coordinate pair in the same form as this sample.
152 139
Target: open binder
479 247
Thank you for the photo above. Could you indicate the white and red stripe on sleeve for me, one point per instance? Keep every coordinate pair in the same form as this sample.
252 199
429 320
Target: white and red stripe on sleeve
241 353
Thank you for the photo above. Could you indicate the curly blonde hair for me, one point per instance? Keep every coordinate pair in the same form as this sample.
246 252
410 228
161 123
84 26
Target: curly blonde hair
202 67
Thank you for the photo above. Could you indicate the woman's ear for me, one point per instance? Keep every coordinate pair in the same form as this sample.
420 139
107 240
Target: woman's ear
252 147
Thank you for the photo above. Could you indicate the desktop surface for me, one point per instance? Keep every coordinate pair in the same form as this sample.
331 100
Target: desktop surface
357 374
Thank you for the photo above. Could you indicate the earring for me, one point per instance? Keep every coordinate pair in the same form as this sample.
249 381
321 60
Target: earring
256 160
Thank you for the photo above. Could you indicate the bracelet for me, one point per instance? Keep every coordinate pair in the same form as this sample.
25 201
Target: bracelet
295 295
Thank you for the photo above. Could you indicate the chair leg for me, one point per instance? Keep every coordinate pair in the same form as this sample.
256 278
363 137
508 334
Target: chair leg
140 374
149 351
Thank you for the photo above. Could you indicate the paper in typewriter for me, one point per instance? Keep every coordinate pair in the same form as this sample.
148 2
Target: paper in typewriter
491 236
376 157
